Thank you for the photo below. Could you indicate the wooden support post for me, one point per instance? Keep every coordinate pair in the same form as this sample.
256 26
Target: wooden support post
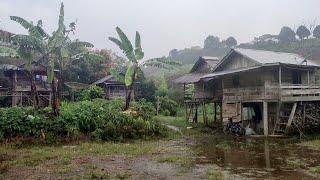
215 112
280 74
221 112
304 115
293 111
308 78
265 118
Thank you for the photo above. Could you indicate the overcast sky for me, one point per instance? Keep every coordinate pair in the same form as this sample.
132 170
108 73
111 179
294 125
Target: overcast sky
164 24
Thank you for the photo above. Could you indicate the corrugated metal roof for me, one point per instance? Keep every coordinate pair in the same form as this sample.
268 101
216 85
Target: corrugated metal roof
230 71
271 57
102 80
6 67
189 78
204 65
208 61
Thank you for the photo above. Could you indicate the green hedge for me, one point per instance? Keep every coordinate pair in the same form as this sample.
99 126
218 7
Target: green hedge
98 119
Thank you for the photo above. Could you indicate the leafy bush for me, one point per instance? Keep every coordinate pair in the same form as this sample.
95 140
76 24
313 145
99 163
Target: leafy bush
168 106
93 92
98 119
144 109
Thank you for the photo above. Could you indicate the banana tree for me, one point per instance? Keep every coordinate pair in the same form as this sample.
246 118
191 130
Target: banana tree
27 47
135 62
62 50
53 50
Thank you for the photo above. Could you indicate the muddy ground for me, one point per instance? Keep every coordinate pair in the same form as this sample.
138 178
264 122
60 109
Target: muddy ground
197 153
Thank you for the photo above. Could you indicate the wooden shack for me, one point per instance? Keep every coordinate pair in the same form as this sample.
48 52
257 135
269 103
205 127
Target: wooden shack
265 89
19 88
112 88
202 91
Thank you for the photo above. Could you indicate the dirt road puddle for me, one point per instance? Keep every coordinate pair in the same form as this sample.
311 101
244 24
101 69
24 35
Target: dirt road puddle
258 158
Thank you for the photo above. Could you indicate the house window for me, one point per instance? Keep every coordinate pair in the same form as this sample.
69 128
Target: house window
296 77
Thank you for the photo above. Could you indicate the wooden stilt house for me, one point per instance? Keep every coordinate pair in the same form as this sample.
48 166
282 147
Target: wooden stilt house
196 92
272 92
19 88
113 88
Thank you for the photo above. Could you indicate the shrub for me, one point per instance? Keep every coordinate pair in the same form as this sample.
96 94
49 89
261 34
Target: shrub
168 106
93 92
143 109
98 119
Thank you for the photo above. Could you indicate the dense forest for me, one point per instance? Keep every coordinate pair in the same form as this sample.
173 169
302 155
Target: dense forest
304 41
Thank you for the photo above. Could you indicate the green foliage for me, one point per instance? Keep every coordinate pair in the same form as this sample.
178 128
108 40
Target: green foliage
287 35
231 42
146 89
316 31
18 121
98 119
168 106
144 109
92 92
212 42
130 74
138 50
303 32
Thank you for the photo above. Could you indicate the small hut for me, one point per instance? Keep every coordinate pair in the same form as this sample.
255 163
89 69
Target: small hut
112 88
202 91
19 88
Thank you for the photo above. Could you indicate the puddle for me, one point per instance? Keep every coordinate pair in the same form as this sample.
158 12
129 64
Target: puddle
257 158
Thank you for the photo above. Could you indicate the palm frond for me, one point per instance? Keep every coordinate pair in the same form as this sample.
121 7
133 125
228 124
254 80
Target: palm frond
126 45
116 75
78 43
50 70
61 26
162 62
8 52
117 42
24 23
138 50
29 42
130 75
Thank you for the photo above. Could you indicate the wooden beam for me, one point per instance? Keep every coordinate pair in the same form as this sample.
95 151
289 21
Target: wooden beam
293 111
280 76
265 118
308 78
215 112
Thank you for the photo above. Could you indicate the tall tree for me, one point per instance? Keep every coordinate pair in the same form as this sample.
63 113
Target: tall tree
316 32
134 64
303 32
174 53
211 42
55 51
287 35
231 42
29 47
61 50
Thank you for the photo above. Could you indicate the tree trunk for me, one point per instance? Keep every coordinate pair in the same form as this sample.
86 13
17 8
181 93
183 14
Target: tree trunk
128 97
60 84
55 102
33 90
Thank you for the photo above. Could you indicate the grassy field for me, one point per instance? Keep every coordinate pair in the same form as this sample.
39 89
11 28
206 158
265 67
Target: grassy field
172 157
154 158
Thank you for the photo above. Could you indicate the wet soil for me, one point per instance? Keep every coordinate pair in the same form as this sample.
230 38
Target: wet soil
257 158
199 155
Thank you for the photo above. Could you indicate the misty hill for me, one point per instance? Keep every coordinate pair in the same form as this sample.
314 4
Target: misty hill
303 41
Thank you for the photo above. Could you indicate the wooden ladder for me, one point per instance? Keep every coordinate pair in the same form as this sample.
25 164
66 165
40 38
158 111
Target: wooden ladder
285 119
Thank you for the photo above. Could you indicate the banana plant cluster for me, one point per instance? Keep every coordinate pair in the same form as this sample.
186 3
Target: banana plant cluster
53 50
135 62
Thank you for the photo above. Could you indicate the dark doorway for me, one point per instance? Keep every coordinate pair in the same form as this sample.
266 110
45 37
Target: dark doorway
296 77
